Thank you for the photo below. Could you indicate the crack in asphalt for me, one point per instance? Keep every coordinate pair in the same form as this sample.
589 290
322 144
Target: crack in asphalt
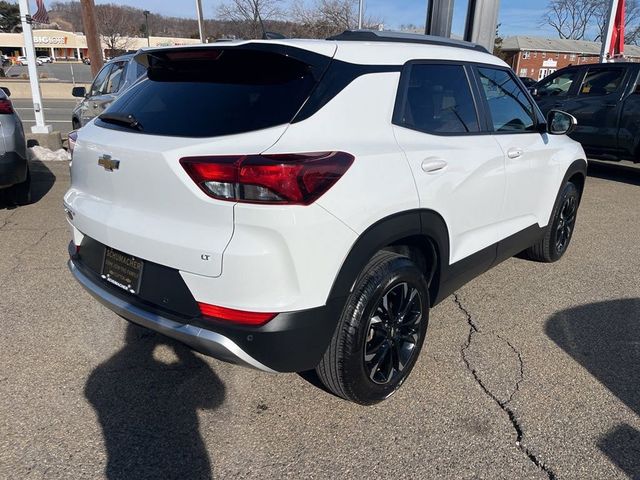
5 221
504 405
15 268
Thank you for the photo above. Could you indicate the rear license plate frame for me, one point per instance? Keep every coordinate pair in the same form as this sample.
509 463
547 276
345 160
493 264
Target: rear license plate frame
122 270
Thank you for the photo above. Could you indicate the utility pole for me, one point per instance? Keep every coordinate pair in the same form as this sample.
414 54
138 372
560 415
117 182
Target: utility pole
146 14
91 33
200 21
30 51
360 14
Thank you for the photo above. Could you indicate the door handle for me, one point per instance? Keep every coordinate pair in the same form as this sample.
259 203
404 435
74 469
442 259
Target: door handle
514 153
433 165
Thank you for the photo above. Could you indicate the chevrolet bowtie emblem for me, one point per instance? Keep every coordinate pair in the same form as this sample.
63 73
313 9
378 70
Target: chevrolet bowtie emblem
108 163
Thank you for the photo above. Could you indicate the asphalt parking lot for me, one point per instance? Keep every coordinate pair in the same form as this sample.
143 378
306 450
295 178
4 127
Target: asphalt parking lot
57 113
63 71
529 371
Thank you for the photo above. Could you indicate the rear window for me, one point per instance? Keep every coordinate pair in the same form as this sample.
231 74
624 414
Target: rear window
215 92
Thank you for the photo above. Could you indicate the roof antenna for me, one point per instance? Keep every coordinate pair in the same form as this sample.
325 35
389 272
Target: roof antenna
264 31
268 35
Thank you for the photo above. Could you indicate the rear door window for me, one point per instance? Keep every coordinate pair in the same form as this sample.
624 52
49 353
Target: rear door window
217 91
438 99
602 81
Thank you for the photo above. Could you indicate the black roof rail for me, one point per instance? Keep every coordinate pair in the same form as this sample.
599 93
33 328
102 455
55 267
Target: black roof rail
401 37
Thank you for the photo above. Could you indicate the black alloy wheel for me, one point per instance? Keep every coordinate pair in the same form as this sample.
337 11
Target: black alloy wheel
380 332
566 223
393 333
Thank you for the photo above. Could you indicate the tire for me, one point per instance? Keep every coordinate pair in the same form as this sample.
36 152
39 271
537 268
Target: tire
20 193
366 336
557 236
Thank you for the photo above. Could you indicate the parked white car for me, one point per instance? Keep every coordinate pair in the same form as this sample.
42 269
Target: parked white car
22 60
297 204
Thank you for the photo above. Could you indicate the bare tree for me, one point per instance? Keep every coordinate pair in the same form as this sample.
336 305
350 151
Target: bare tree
571 18
116 26
329 17
250 14
631 20
587 19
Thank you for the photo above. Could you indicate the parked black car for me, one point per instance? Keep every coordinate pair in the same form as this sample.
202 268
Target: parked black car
605 99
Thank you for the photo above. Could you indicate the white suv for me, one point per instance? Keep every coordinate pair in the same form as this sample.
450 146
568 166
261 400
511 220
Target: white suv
299 204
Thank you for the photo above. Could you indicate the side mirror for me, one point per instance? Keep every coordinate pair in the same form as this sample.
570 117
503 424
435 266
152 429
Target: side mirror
6 91
560 123
79 92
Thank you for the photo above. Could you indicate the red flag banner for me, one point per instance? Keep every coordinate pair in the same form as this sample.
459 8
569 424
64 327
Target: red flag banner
41 15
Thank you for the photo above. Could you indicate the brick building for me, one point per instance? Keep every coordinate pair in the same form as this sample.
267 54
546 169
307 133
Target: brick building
537 57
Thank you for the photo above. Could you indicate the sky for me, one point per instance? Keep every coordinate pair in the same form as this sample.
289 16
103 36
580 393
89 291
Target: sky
517 17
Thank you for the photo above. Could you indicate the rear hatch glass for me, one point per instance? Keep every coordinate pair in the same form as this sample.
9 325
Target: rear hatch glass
217 91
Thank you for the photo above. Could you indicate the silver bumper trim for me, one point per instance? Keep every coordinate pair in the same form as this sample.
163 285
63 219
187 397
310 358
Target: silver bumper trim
206 341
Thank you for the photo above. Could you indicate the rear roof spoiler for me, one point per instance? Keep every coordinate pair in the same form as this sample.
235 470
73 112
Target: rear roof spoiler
144 56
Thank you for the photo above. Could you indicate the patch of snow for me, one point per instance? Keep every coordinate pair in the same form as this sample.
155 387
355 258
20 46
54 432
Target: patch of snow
45 155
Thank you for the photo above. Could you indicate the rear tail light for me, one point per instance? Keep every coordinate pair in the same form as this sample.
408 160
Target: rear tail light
235 316
6 106
293 179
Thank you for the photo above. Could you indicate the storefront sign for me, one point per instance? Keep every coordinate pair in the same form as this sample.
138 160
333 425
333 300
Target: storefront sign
50 40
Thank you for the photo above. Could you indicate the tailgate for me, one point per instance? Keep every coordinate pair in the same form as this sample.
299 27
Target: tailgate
148 206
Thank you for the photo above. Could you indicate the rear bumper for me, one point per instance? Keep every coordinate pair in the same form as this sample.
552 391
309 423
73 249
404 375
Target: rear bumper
291 342
13 169
205 341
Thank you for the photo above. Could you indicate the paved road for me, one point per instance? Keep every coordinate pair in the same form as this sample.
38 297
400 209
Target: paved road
57 113
67 72
530 371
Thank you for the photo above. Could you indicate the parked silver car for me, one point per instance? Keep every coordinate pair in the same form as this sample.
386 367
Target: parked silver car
15 179
114 78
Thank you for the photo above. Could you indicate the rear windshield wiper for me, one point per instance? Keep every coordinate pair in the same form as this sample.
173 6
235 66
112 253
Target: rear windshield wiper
125 119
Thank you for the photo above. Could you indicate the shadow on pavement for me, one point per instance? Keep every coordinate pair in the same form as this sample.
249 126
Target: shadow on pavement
604 338
42 180
622 446
617 172
148 409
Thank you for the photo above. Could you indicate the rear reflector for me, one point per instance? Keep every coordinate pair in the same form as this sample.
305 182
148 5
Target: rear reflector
235 316
289 179
6 106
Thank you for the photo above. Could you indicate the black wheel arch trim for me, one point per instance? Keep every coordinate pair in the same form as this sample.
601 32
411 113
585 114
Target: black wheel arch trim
423 223
578 167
